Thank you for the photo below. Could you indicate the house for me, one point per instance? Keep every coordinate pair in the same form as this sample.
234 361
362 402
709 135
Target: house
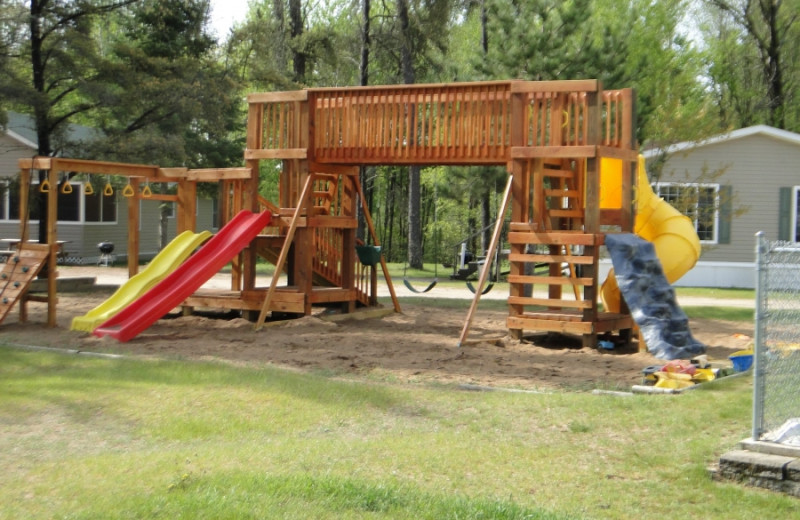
733 186
87 216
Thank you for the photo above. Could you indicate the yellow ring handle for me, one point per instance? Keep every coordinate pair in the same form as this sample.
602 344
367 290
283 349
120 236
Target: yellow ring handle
44 187
66 188
88 189
108 190
146 192
128 191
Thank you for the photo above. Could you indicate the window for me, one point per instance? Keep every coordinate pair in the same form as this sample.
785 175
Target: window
699 202
215 213
75 206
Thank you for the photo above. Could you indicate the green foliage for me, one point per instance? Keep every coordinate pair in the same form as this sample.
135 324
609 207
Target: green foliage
752 53
184 109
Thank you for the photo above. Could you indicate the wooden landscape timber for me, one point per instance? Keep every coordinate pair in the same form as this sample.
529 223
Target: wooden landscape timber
550 135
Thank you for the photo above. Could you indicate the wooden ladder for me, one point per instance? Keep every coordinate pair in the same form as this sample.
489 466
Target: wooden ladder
20 269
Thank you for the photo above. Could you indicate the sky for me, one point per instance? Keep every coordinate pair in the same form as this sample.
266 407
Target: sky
225 12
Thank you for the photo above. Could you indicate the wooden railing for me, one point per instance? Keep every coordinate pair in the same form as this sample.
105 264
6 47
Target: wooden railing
434 123
466 123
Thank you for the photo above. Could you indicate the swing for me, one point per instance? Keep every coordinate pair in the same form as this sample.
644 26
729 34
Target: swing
489 285
430 286
485 290
108 190
66 187
435 280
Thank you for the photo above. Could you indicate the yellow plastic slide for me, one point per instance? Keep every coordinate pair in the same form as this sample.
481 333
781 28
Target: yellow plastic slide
673 235
164 263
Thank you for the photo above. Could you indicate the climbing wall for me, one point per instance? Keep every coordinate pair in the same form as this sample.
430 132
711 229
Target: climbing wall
649 296
18 272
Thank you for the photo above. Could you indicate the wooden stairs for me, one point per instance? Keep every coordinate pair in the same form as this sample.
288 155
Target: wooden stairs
20 269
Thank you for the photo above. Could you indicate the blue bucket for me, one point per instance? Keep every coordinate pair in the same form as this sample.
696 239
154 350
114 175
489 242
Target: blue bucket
742 363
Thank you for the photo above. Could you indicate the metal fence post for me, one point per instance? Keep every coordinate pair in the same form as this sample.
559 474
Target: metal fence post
758 340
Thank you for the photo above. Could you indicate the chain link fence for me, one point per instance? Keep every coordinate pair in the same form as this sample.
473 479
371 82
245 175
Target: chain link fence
776 395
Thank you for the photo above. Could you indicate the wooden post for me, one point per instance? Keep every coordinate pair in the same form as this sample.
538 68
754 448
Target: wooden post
520 192
487 265
134 210
301 203
371 227
592 211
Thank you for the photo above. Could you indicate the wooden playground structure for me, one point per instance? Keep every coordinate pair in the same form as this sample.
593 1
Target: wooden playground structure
550 136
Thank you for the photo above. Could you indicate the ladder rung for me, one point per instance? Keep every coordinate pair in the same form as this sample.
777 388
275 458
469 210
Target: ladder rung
548 280
550 259
569 213
545 302
562 193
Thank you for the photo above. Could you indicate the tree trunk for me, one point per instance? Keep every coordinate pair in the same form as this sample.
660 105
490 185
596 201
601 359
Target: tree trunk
486 220
364 172
773 67
409 78
41 110
296 29
280 34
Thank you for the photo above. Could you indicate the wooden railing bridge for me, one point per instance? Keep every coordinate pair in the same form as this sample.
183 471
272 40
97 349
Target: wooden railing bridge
550 135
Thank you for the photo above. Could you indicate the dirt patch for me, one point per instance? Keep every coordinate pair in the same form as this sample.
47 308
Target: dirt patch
419 345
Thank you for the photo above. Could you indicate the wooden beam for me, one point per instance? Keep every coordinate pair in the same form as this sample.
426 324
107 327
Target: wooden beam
278 153
278 97
572 259
542 152
574 85
301 203
374 235
133 229
547 302
548 280
52 239
565 327
338 169
487 266
556 238
99 167
216 174
37 163
625 154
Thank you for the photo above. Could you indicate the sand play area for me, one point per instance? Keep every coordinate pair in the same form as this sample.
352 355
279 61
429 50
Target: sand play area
418 345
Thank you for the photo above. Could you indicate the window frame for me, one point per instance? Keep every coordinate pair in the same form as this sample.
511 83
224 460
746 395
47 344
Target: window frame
699 185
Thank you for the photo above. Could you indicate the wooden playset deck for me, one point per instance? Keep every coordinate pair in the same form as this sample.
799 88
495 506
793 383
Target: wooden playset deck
550 136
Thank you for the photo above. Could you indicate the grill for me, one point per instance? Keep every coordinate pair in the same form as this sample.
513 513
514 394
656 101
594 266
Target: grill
106 253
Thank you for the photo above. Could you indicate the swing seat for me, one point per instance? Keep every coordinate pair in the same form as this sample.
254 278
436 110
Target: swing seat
369 255
413 289
485 290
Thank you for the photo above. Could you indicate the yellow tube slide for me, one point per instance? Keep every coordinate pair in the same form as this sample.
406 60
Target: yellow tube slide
674 238
164 263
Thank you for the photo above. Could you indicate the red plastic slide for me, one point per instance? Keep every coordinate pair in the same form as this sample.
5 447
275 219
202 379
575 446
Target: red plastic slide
186 279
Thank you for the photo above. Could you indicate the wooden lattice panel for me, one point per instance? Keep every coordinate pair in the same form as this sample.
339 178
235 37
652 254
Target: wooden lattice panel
19 271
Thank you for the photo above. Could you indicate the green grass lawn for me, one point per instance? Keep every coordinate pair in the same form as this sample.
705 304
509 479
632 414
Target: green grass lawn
91 438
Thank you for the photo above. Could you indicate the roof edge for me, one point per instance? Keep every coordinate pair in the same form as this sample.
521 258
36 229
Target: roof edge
769 131
27 142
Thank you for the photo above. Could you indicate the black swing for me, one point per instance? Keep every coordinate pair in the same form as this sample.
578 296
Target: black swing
435 280
430 286
413 289
489 285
